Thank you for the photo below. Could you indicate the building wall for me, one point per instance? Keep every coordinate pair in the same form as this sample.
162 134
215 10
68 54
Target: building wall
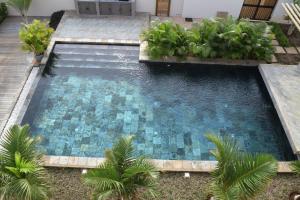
209 8
185 8
278 12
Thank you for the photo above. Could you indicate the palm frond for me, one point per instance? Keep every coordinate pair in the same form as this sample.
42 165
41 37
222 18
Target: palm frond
104 178
252 173
240 175
295 165
122 153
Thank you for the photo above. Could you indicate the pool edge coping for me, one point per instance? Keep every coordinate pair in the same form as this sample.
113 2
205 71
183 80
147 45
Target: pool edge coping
278 107
161 165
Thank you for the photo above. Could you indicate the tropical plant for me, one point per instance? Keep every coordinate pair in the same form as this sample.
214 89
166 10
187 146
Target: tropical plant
122 176
3 12
166 39
212 38
239 175
295 165
21 6
280 36
35 37
229 38
21 174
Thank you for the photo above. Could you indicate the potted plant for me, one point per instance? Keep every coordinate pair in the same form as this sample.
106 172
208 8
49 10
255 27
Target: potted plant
296 168
35 38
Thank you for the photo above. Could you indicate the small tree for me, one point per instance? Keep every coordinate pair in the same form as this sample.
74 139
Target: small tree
239 175
35 37
21 6
21 173
122 175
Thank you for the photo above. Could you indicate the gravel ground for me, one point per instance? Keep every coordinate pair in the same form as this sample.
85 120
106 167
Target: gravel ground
66 185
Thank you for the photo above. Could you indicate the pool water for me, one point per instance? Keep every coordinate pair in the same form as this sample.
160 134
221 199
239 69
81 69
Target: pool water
97 93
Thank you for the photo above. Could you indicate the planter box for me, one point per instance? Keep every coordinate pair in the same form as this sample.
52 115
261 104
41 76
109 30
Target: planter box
144 58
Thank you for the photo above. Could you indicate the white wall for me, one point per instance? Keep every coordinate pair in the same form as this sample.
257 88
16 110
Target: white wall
146 6
209 8
176 7
279 12
47 7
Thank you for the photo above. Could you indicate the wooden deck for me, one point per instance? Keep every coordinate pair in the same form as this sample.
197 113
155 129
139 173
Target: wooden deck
15 66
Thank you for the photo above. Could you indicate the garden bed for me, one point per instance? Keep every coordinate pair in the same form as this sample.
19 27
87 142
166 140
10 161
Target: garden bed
144 58
67 185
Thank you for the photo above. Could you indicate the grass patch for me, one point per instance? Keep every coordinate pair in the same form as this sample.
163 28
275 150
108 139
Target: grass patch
280 36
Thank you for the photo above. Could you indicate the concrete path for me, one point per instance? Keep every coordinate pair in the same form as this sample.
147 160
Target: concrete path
14 67
283 83
75 27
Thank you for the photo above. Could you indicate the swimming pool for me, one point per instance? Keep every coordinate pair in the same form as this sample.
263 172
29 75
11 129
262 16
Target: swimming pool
98 92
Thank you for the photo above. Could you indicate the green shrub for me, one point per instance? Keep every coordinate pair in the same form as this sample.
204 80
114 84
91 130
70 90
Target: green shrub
280 36
166 39
212 38
3 12
35 37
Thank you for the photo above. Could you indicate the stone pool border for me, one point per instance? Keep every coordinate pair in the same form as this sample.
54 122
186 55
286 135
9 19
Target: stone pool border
162 165
89 162
144 58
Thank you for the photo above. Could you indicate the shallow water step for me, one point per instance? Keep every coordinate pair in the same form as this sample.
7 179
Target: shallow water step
96 51
88 46
87 64
100 57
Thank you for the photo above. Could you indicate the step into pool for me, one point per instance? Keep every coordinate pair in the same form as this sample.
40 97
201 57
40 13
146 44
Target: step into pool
96 93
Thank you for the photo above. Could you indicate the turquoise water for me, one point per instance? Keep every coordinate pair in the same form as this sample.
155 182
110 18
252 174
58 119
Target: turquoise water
97 93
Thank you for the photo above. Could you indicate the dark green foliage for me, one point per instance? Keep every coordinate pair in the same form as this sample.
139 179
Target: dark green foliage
122 176
295 165
3 12
239 175
218 38
280 36
166 39
22 176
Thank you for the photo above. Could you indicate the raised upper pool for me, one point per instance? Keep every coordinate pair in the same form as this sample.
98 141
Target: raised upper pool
96 93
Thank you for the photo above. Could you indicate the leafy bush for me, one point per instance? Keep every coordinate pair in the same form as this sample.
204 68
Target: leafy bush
212 38
35 37
3 12
239 175
166 39
122 176
280 36
21 173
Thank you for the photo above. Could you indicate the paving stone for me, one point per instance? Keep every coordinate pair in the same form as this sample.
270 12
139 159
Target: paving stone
275 43
291 50
279 50
274 59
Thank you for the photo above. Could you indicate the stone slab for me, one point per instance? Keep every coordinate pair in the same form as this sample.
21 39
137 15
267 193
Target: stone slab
291 50
283 83
161 165
279 50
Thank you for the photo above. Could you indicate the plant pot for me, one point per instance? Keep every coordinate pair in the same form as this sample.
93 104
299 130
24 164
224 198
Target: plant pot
37 59
295 196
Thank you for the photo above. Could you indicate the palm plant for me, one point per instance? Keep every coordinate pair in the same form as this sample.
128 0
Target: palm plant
295 165
122 176
239 175
21 6
21 174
